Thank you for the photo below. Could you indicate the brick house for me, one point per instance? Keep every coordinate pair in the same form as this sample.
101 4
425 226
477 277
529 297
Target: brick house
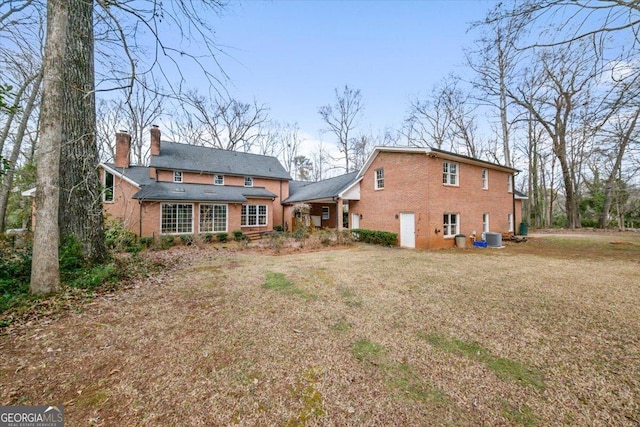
428 196
189 189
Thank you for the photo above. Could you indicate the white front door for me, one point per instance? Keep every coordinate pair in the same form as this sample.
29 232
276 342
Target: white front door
355 221
407 230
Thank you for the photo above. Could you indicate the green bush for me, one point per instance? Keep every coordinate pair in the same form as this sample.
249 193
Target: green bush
278 228
117 237
186 239
166 242
238 235
207 237
147 242
222 237
374 237
92 278
71 255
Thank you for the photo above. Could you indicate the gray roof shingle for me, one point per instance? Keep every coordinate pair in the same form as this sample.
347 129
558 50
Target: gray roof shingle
302 191
201 192
137 174
212 160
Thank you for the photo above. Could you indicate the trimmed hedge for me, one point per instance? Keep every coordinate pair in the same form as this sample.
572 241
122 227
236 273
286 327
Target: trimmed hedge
374 237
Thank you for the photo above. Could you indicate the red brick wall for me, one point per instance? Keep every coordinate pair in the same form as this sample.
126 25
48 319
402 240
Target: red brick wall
413 183
123 208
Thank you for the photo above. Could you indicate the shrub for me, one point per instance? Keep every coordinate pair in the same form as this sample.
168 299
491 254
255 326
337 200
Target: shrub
374 237
71 255
117 237
166 241
278 228
207 237
147 242
238 235
222 237
186 239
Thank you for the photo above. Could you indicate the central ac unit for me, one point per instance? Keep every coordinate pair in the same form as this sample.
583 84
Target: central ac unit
494 240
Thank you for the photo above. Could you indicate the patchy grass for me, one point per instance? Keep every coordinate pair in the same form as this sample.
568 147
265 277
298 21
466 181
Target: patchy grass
278 282
538 333
504 368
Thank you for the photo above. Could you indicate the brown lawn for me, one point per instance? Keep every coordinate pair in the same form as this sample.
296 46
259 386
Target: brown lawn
540 333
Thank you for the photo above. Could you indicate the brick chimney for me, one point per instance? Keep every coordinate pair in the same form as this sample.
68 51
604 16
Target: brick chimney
155 140
123 149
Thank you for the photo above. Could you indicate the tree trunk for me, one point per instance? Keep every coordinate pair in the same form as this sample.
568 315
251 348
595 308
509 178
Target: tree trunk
80 188
45 275
15 151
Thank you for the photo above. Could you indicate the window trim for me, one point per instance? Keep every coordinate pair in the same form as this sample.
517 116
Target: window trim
215 177
485 222
447 175
106 188
485 179
509 183
446 225
377 179
162 205
249 180
511 222
177 177
213 223
328 213
244 216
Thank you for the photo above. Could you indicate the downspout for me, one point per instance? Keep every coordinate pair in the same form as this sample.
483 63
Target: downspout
281 206
140 220
513 198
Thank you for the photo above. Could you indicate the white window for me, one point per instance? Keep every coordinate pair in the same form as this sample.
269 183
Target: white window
253 215
177 176
485 222
176 218
510 183
248 181
325 212
450 173
485 179
213 218
451 224
510 219
379 185
107 196
218 179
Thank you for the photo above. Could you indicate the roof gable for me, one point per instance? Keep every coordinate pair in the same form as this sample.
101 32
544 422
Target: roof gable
300 191
176 156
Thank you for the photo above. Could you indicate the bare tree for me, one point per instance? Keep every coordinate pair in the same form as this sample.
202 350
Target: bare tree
562 92
224 123
341 119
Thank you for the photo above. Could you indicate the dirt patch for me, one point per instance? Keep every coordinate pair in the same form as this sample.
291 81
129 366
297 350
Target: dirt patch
371 336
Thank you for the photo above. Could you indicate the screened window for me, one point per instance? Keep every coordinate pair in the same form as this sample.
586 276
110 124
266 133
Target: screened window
325 212
379 179
253 215
485 179
108 187
177 218
248 181
451 224
177 176
450 173
213 218
485 222
218 179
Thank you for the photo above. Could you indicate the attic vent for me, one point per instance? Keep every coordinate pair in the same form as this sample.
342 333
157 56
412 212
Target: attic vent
178 190
210 191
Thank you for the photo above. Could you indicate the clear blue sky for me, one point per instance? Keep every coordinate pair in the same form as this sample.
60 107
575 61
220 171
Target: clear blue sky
290 55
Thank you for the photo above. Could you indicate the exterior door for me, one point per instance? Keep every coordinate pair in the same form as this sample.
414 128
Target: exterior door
407 230
355 221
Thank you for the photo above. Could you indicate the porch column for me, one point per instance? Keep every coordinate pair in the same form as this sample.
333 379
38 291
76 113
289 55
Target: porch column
339 209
